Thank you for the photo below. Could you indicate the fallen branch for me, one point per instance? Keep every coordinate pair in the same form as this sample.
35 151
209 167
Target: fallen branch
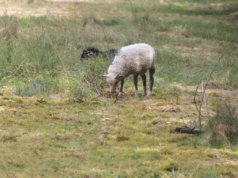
188 130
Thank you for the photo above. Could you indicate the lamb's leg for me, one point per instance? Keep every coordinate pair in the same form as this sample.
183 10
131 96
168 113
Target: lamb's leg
136 84
121 89
152 71
144 83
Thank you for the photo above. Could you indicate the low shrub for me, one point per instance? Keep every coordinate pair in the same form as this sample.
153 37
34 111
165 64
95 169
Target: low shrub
223 127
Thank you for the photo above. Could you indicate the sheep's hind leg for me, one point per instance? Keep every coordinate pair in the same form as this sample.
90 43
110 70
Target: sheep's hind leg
143 76
136 84
121 89
152 71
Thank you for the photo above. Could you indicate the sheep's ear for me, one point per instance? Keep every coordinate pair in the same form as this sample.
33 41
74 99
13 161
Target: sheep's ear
119 77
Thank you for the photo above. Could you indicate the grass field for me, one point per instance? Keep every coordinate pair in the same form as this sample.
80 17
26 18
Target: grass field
44 133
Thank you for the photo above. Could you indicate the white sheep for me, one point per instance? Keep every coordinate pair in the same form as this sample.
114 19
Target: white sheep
134 59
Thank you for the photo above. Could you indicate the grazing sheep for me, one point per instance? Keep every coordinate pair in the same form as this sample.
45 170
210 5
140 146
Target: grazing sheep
93 52
134 59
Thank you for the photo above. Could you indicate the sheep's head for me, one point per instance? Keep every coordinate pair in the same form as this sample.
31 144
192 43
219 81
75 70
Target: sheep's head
113 79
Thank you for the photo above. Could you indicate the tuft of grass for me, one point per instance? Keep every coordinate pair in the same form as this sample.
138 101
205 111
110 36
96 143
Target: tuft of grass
121 138
107 22
224 125
171 166
9 28
9 138
229 170
211 173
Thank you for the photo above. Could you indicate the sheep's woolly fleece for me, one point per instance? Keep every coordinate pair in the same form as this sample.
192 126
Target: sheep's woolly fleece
132 59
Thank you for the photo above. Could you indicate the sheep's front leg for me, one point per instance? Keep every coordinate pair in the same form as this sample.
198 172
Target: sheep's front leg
121 89
152 71
136 84
144 83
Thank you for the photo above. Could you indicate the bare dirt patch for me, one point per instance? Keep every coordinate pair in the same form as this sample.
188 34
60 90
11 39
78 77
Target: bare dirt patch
35 8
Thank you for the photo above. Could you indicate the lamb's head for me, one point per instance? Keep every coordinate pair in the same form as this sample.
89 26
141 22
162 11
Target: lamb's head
113 79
